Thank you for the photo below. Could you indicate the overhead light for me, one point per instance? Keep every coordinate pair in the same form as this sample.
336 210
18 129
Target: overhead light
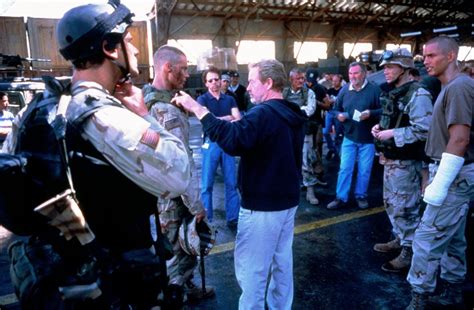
410 34
454 35
445 29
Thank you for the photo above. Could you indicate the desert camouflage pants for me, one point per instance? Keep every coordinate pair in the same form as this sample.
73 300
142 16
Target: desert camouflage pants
440 239
312 163
181 267
402 197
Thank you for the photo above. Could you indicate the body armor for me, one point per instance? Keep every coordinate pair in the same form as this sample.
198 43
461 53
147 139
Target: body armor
395 115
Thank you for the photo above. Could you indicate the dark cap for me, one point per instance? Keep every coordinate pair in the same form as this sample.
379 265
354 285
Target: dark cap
233 73
312 75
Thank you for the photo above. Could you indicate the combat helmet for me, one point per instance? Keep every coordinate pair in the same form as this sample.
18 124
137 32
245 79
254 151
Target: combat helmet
82 30
398 56
194 237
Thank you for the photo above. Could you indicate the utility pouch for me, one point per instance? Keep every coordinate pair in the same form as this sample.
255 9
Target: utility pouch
32 265
140 276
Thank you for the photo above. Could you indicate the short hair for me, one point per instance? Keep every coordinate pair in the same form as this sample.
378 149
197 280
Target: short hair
362 66
3 94
271 69
296 71
446 44
167 53
339 76
210 69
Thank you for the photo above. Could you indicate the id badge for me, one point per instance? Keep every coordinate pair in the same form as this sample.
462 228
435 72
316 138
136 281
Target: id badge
205 146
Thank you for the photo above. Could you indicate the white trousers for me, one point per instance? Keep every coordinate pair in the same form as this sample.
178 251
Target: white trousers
263 247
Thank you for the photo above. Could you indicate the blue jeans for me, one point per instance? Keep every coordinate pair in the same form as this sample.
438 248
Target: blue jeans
329 121
350 152
212 156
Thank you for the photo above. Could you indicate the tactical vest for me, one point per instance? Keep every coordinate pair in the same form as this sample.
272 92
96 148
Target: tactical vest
303 94
393 116
105 194
310 126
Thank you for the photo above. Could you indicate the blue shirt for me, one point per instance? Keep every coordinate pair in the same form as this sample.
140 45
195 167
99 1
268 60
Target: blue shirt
367 98
221 107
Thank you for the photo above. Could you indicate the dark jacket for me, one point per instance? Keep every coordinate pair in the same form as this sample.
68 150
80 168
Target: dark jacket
269 139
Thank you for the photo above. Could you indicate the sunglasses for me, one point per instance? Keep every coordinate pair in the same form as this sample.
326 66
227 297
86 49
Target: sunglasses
213 80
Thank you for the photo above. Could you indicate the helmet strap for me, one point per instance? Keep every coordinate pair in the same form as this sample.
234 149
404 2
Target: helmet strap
126 75
394 82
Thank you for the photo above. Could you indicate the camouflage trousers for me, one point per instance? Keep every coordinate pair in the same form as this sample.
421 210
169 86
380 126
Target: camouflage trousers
402 197
440 240
181 266
312 163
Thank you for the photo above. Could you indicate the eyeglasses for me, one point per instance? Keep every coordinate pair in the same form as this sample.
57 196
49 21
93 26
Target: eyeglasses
213 80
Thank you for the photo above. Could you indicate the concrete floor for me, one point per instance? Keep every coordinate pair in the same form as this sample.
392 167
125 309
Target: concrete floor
334 264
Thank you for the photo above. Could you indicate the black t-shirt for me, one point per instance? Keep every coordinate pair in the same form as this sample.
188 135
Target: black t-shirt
320 92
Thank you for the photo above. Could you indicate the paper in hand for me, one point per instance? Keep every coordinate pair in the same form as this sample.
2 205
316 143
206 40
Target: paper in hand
356 116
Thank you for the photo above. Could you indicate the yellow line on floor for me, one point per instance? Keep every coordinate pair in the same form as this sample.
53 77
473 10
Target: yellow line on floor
6 300
225 247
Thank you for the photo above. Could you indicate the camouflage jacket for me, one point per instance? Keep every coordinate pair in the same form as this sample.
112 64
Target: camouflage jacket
176 122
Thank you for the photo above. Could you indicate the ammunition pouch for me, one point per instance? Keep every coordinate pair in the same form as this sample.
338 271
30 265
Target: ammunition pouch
414 151
33 264
139 277
40 275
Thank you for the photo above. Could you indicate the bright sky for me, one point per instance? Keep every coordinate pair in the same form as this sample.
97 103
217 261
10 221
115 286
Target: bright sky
57 8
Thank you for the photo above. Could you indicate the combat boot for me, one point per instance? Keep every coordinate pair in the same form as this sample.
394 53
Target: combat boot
391 246
449 295
418 301
310 197
400 263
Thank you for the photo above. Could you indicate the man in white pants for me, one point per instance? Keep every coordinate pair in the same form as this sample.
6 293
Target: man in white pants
269 139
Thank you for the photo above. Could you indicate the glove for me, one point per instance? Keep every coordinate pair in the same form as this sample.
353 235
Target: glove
448 169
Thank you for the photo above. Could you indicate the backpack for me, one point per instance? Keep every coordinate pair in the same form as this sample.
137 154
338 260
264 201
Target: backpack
36 171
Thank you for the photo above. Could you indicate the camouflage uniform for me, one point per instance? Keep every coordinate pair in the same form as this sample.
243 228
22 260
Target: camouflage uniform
172 211
402 177
307 103
443 227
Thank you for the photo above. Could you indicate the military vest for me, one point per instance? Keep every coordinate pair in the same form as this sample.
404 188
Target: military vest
302 101
395 115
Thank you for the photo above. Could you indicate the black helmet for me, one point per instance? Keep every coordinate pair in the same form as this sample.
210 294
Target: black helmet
82 30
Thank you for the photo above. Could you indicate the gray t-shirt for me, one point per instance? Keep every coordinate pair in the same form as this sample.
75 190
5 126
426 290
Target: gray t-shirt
454 106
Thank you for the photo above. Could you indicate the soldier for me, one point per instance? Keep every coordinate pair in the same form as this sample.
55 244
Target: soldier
121 160
400 138
440 244
171 67
305 98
